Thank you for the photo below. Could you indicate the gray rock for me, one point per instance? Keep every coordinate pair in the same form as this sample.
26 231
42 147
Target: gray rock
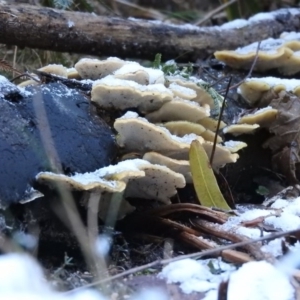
48 127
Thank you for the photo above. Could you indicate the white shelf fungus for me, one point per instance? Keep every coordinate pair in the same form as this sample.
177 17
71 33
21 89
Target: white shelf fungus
182 92
137 134
281 54
179 109
178 166
253 88
58 70
263 117
110 92
238 129
135 178
182 128
211 124
203 95
89 68
135 72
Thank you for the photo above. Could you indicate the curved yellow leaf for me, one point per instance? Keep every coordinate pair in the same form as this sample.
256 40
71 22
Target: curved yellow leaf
204 179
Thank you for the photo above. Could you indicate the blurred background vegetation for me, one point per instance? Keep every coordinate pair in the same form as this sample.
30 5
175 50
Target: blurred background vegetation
199 12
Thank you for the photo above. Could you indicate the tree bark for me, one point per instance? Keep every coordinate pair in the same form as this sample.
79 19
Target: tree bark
57 30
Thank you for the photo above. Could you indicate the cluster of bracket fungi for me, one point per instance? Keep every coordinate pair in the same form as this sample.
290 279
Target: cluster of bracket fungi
169 112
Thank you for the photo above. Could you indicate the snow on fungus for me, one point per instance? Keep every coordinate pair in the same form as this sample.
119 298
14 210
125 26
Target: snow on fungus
182 92
54 69
159 183
81 182
138 76
135 72
281 54
111 92
234 146
182 128
179 109
137 134
178 166
272 54
94 185
89 68
203 95
253 88
263 117
238 129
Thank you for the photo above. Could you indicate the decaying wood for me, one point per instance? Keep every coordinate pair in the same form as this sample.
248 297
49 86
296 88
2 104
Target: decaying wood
52 29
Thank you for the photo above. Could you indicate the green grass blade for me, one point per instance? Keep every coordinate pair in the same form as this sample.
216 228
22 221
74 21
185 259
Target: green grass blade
204 179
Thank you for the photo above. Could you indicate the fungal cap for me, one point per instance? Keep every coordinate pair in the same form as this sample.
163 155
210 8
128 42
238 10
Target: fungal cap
263 117
55 69
178 166
234 146
203 96
182 92
135 72
179 109
137 134
238 129
222 154
159 183
110 92
81 182
182 128
211 124
89 68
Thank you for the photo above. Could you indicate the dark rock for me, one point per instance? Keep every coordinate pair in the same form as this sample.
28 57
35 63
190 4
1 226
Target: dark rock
52 128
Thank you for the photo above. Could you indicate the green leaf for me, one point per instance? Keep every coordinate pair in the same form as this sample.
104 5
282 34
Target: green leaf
204 179
157 61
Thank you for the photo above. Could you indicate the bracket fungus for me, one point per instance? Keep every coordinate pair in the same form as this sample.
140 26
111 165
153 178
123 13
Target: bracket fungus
253 89
133 178
238 129
135 72
204 93
281 54
182 128
182 92
178 166
138 134
185 104
110 92
179 109
263 117
90 68
55 69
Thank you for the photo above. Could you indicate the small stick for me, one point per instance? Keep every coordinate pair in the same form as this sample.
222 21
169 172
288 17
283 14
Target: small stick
219 123
251 69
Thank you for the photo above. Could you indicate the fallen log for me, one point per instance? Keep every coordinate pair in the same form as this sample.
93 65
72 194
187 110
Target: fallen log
58 30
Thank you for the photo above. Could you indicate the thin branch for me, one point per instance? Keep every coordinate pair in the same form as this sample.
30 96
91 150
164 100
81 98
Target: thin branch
219 122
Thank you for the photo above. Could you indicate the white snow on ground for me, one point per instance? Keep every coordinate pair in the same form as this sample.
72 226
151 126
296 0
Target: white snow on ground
21 278
254 280
259 280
